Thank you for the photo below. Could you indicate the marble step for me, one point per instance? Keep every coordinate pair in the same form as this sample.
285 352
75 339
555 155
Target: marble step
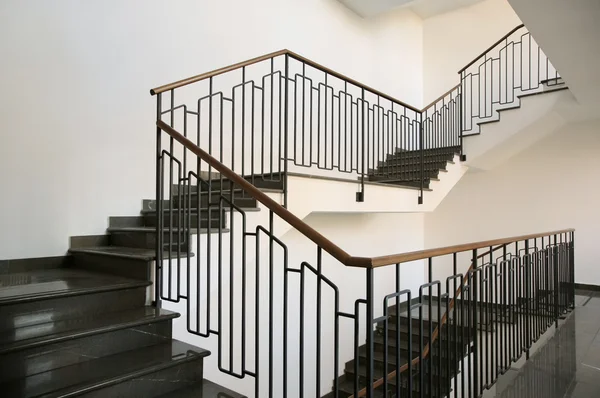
204 389
146 372
38 297
38 348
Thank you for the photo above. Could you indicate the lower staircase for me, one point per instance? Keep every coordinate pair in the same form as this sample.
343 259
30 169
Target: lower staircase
453 343
81 325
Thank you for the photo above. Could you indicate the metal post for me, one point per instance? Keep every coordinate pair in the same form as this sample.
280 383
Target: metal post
360 196
370 334
527 262
285 138
422 157
158 205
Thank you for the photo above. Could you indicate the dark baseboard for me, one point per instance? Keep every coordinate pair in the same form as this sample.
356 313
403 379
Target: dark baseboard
583 286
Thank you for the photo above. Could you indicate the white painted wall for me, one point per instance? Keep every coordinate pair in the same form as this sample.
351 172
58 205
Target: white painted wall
78 137
550 186
453 39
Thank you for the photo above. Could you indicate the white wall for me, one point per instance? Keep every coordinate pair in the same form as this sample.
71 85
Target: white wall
550 186
78 137
453 39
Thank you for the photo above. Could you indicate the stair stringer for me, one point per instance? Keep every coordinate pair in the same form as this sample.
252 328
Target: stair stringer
516 130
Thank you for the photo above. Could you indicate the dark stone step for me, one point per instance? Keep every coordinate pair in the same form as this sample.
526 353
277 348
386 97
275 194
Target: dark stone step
191 220
450 333
380 346
402 182
379 358
146 372
427 165
145 237
346 389
204 389
379 371
391 172
38 348
38 296
130 262
215 199
33 264
268 181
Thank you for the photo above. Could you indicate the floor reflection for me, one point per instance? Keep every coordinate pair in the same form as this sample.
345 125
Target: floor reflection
567 365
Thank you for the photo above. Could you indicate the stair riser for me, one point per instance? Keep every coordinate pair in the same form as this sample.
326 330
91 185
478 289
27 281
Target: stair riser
32 264
189 221
153 384
69 352
415 184
147 240
258 181
392 350
362 380
35 312
244 202
129 268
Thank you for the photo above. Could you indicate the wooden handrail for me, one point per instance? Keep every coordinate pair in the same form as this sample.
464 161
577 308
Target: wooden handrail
441 251
316 65
216 72
435 101
327 245
491 47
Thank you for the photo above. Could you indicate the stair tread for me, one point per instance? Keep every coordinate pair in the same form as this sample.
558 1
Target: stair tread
135 253
52 332
103 372
53 283
206 389
153 229
194 210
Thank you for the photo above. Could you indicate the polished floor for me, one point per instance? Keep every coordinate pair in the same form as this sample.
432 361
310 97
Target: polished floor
567 365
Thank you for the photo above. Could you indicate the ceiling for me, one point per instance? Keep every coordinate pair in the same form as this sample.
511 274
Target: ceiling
423 8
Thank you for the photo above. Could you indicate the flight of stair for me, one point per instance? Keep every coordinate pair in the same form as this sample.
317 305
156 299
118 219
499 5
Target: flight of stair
459 346
83 325
404 167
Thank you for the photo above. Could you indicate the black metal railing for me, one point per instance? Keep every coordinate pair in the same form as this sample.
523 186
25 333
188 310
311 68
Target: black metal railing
514 66
290 324
282 113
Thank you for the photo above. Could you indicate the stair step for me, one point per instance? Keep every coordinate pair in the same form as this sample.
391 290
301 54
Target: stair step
240 199
180 218
129 262
32 264
346 389
379 358
42 347
205 389
149 372
133 253
145 237
39 296
267 182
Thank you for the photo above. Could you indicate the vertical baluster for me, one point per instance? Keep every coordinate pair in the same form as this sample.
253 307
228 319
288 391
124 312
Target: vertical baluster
370 333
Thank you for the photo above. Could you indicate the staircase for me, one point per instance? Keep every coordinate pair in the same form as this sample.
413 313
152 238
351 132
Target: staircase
91 323
401 334
80 325
403 167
